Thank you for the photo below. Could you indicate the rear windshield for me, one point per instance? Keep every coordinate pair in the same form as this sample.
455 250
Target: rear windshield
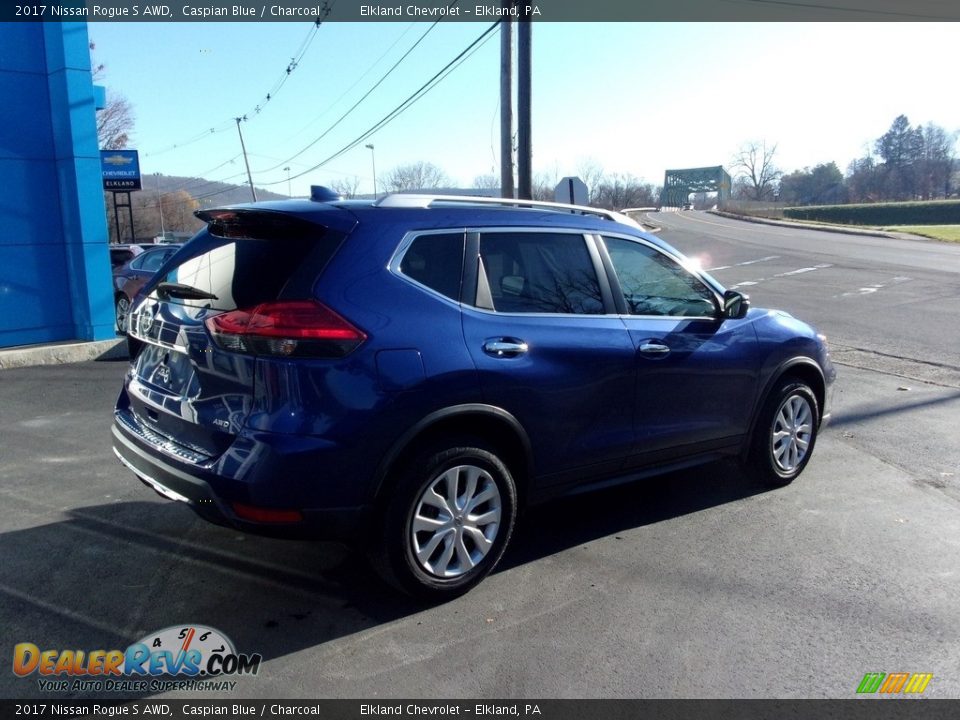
243 272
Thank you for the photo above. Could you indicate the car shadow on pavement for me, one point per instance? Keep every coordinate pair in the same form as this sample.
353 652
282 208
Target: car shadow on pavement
108 575
561 524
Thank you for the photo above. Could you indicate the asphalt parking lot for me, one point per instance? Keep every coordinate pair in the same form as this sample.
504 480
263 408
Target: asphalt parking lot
698 584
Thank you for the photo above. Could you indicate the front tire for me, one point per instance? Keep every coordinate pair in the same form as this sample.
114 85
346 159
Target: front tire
448 521
785 434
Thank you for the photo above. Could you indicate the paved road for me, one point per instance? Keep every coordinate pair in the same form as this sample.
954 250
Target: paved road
886 305
900 298
699 584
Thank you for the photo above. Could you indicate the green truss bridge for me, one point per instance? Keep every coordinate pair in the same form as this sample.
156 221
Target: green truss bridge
678 184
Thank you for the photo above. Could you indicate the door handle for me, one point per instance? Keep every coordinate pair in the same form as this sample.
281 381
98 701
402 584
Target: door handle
505 347
654 349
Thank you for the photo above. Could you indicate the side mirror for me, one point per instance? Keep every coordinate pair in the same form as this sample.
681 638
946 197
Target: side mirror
735 305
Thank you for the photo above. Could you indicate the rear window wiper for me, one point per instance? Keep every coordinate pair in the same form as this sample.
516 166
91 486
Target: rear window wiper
185 292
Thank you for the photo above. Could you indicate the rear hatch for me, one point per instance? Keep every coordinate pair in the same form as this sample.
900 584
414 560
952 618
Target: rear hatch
193 361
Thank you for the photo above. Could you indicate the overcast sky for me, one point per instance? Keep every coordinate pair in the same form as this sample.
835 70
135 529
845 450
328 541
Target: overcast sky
634 98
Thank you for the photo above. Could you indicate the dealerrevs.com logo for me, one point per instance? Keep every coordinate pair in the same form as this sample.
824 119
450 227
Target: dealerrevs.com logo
201 658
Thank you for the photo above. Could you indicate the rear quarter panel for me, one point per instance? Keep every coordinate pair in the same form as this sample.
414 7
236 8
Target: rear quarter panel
413 363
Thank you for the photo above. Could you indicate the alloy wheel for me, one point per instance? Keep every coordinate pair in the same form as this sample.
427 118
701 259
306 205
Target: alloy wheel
792 432
455 521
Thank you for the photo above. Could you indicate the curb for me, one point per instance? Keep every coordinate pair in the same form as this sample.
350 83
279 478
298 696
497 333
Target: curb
645 226
822 228
62 353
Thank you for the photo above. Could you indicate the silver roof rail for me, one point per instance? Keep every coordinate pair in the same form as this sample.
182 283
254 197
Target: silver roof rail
411 200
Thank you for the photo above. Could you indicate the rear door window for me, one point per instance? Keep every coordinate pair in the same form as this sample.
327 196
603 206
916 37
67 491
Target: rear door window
539 272
436 261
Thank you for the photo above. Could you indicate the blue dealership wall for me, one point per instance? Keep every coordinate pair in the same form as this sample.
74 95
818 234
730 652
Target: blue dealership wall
55 279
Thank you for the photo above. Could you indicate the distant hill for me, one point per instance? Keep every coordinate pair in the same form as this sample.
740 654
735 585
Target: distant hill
208 193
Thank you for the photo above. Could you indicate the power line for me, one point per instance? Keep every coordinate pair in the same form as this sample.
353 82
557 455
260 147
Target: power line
197 180
356 82
304 46
405 105
186 187
294 62
435 80
198 183
271 93
358 102
191 140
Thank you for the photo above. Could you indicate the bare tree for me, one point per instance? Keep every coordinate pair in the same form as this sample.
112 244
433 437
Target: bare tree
591 172
616 192
178 207
416 176
146 224
754 161
346 187
115 122
937 163
863 180
486 182
544 186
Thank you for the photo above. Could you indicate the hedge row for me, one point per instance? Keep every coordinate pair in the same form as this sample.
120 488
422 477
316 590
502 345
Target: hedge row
935 212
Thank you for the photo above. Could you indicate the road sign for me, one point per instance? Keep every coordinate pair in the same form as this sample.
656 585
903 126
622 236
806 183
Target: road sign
572 190
121 170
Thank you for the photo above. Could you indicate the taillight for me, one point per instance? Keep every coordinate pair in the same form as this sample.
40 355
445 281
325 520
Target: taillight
296 328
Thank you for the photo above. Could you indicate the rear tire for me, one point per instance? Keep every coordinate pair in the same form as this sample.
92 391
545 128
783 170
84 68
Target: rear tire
785 434
448 520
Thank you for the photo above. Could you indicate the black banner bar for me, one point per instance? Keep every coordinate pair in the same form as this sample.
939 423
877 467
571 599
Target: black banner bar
854 709
477 10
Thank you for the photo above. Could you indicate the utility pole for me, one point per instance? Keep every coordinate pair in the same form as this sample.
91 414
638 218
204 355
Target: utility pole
524 147
373 161
246 162
506 104
289 191
163 232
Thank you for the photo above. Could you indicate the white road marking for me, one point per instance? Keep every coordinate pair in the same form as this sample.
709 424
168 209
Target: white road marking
870 289
863 291
746 262
798 271
758 260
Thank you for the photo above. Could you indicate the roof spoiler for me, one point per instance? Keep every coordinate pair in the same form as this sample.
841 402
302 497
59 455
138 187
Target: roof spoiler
257 224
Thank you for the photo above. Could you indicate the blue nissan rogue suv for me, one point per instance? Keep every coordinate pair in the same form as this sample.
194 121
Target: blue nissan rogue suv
407 373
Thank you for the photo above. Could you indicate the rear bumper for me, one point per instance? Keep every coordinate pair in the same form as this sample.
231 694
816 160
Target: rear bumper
196 487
